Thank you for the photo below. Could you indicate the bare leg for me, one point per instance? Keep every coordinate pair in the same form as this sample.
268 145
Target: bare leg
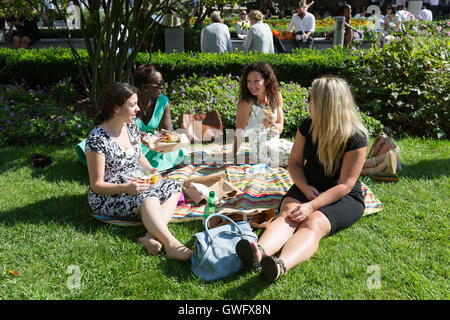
156 224
25 42
305 241
169 206
16 42
281 229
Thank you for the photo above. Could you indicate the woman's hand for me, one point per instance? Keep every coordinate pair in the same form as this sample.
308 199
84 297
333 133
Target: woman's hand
301 212
268 123
310 192
136 187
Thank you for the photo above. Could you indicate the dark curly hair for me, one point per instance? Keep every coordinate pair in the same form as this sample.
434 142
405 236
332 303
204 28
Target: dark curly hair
270 80
144 74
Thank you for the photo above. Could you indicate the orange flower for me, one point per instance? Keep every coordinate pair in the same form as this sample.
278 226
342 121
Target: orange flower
278 34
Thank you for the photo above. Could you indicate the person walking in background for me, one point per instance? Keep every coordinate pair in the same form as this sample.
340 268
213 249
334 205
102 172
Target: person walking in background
305 25
215 37
325 164
259 38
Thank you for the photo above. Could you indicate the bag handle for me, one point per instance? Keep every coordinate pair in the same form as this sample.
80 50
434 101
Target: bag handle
222 216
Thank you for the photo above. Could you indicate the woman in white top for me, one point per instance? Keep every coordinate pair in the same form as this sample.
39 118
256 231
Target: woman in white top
259 116
259 37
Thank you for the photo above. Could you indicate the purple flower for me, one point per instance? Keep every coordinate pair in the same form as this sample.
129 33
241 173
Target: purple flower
12 114
6 108
79 125
88 123
63 133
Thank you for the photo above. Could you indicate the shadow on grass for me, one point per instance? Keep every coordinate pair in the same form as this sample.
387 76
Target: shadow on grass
426 169
64 166
68 210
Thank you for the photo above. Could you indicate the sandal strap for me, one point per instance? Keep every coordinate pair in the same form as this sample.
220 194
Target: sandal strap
282 265
261 249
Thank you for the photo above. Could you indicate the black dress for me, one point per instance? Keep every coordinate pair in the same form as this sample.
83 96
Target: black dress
29 29
345 211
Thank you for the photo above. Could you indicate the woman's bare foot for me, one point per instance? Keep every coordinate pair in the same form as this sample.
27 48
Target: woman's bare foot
257 253
178 251
152 245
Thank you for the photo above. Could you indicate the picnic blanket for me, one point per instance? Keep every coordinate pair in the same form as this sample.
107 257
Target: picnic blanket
263 191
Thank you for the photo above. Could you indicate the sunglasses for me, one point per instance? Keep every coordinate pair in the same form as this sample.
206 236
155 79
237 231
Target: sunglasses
159 84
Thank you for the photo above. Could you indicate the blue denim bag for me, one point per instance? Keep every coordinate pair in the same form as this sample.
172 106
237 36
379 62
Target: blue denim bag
214 254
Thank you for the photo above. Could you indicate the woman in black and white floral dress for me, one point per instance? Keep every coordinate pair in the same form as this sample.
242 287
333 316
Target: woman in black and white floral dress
114 158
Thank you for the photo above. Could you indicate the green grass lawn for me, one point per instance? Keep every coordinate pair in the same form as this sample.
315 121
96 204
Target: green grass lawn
46 227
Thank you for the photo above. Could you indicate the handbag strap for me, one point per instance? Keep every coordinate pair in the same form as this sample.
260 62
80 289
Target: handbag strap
222 216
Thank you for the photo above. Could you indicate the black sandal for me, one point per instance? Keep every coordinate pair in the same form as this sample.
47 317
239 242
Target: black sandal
244 251
270 269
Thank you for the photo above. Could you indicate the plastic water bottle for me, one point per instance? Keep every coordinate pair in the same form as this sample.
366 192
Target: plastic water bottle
210 207
303 36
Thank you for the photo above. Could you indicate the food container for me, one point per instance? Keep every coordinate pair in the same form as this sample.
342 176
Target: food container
165 141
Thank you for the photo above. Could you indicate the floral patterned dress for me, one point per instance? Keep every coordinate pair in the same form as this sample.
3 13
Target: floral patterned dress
121 166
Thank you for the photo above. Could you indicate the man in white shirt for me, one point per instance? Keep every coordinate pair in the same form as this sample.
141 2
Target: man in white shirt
215 37
305 25
425 14
242 26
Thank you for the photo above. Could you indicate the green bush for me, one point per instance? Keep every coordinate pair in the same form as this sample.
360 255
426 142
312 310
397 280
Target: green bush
405 85
48 116
302 66
41 116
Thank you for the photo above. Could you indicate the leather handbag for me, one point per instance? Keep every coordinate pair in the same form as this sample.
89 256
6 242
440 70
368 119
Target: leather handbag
214 255
202 126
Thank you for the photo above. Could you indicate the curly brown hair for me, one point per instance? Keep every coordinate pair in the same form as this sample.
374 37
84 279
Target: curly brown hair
270 80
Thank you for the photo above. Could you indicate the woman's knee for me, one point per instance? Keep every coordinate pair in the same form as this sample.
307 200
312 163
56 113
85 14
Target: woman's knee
317 222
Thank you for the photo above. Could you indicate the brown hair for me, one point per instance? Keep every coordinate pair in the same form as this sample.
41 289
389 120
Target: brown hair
270 80
116 94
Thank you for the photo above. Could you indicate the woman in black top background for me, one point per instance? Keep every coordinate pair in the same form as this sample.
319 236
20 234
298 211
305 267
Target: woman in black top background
325 164
26 33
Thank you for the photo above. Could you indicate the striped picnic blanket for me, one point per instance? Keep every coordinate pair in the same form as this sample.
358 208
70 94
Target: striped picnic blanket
258 191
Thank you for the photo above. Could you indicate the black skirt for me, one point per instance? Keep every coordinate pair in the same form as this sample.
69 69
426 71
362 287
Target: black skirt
342 214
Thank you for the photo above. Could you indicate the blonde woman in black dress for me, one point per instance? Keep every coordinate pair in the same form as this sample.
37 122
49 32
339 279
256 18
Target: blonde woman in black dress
325 164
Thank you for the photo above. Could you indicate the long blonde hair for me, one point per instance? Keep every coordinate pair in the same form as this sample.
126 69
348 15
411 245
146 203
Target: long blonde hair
334 120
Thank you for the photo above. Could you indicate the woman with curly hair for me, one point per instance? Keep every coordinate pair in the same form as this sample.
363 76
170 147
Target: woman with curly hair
326 160
259 116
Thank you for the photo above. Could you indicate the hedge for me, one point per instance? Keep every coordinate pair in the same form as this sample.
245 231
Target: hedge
302 67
